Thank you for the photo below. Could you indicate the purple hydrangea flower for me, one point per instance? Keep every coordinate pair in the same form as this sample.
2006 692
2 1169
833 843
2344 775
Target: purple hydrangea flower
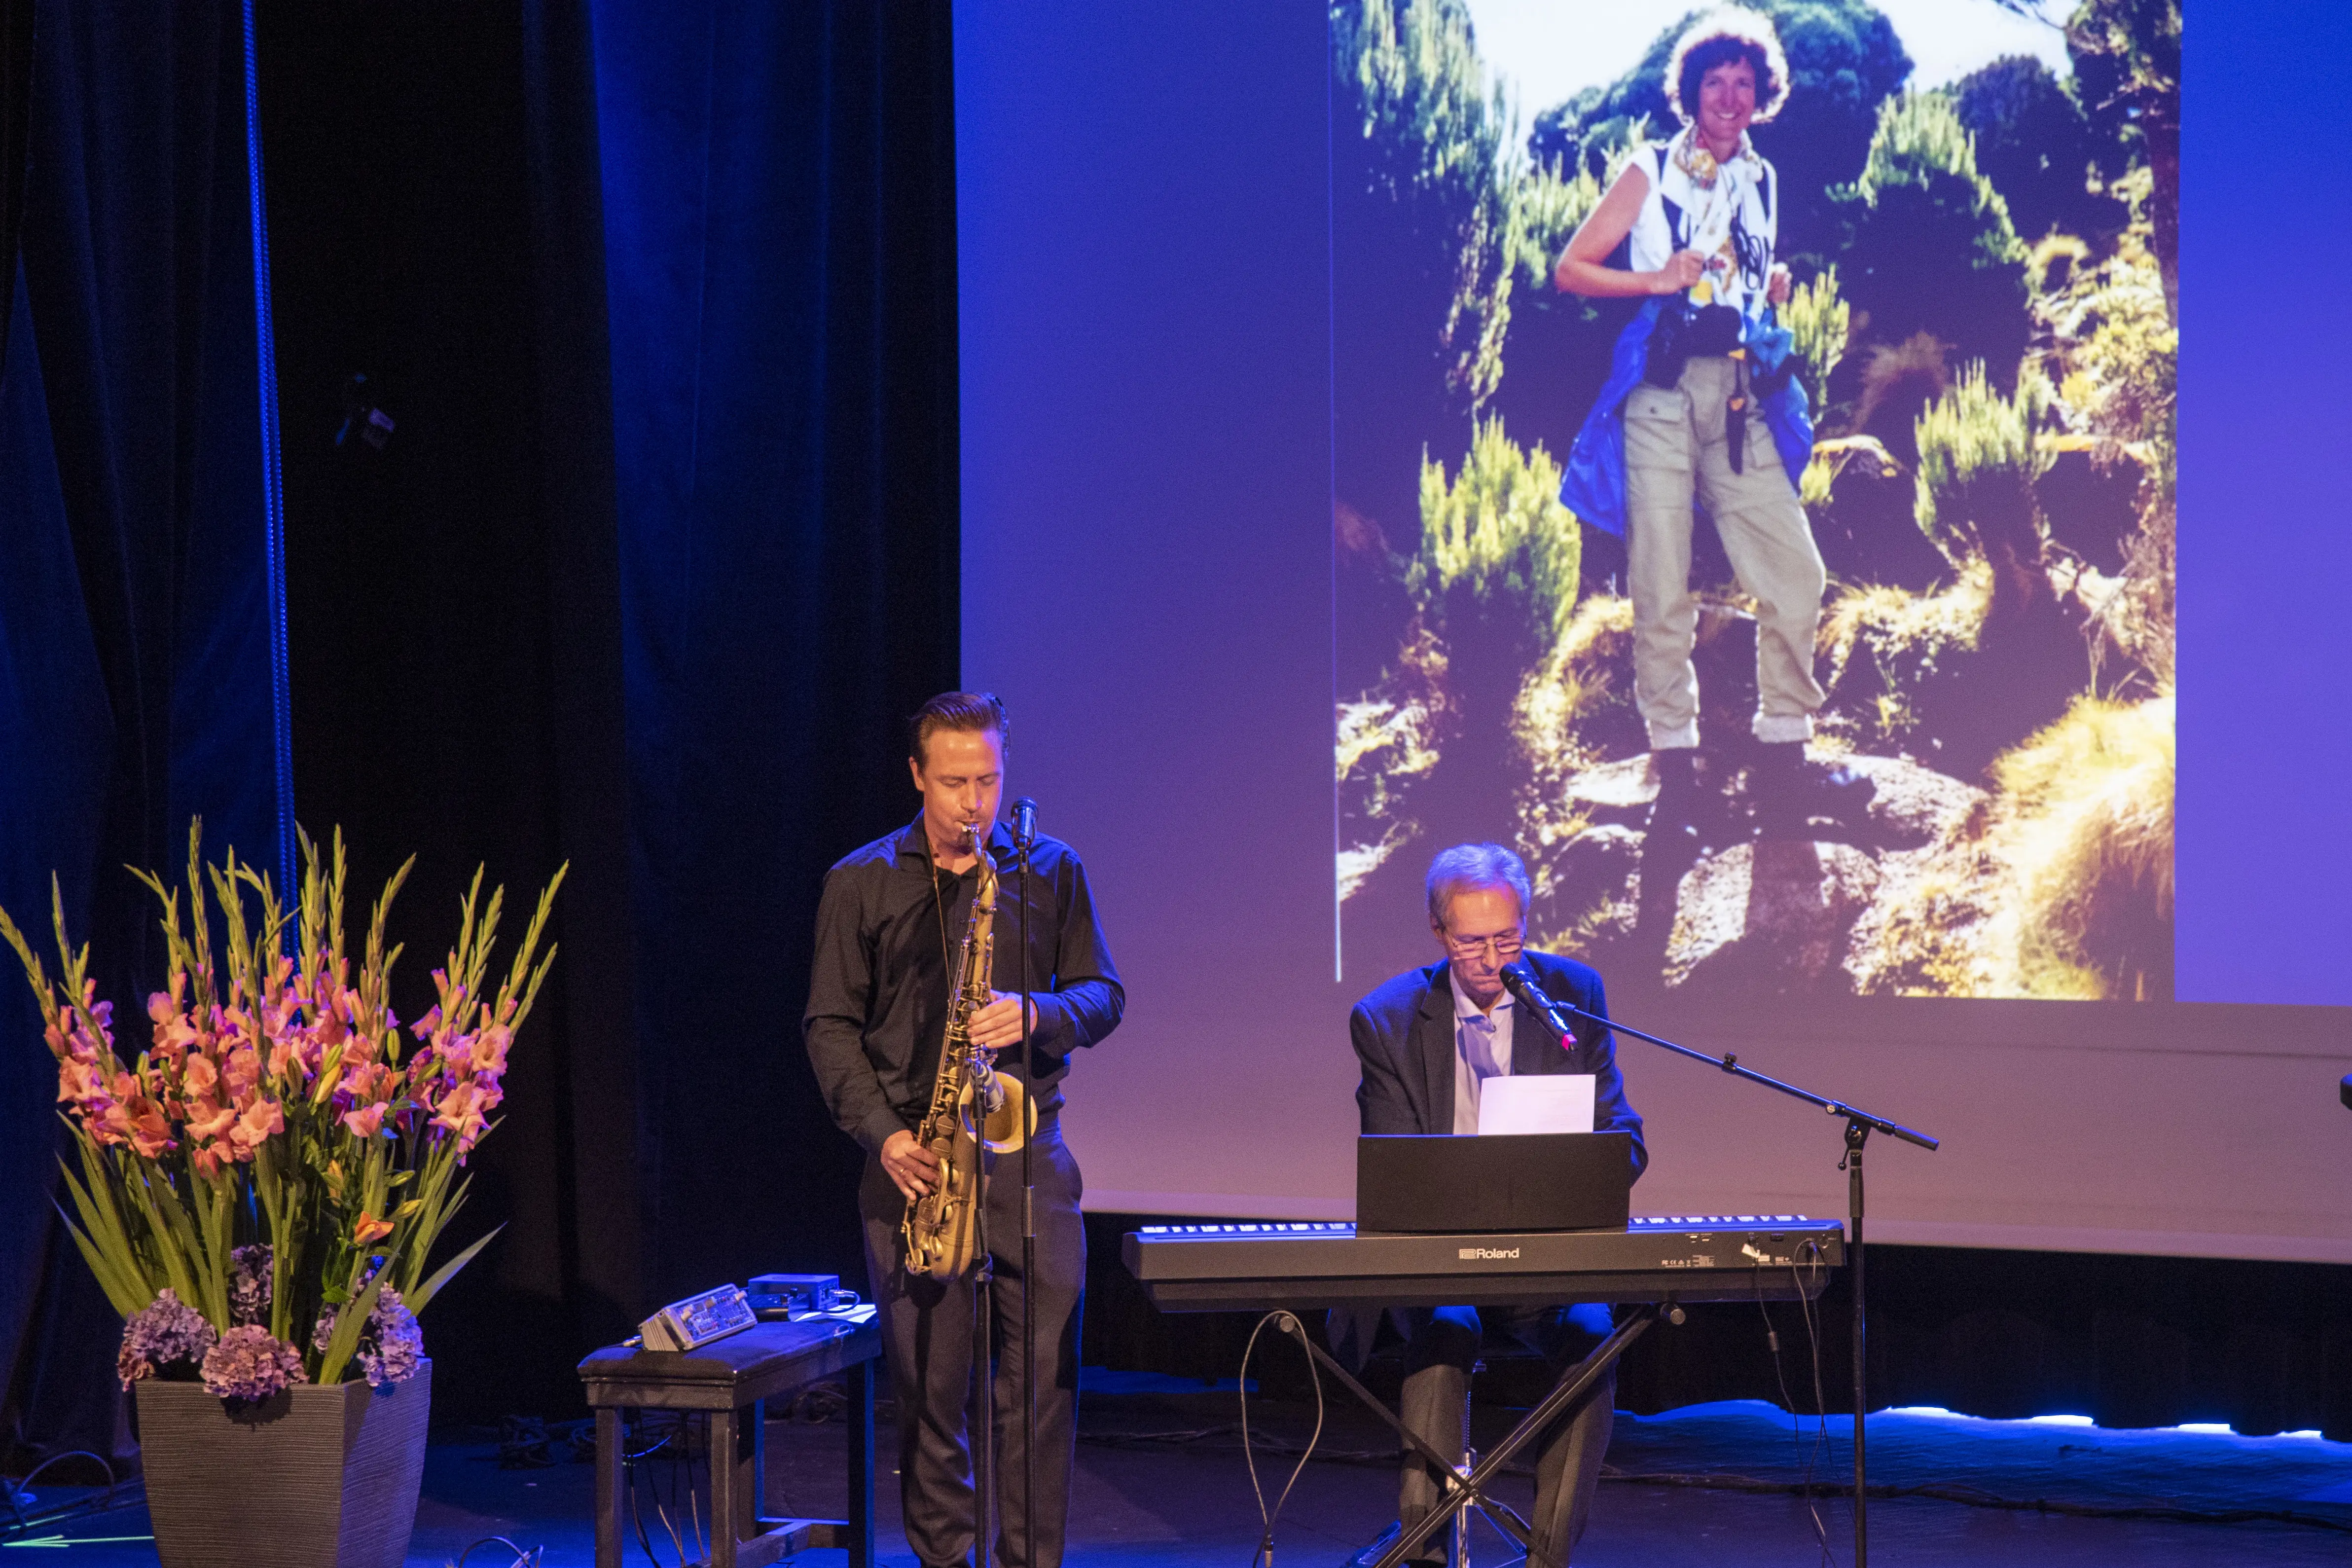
250 1363
248 1285
390 1347
324 1329
166 1333
397 1344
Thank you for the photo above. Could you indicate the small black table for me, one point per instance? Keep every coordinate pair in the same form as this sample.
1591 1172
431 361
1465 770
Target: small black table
720 1379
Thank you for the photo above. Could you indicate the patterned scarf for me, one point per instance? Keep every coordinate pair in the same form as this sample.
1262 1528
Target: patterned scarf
1718 189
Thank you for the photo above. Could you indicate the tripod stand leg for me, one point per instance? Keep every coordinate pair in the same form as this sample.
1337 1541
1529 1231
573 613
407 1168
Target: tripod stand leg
1462 1515
1573 1384
1469 1462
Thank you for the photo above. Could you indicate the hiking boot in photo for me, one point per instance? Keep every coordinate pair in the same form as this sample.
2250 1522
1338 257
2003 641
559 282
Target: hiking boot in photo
1797 797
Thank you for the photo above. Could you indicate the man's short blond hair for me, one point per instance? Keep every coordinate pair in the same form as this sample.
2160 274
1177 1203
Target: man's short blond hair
1468 866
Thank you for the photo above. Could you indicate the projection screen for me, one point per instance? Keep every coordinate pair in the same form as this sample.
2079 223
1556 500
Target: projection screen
1266 392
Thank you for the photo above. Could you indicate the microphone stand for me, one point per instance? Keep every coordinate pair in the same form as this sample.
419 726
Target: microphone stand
1859 1125
1023 843
979 1382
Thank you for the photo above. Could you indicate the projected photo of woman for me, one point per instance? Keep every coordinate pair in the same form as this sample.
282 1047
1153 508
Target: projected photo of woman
1702 408
1753 453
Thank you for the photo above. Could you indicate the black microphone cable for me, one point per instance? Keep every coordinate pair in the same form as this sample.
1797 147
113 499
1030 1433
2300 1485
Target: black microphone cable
1288 1323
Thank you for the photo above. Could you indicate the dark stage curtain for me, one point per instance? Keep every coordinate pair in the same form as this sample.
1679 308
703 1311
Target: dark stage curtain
658 550
453 603
15 120
135 675
778 186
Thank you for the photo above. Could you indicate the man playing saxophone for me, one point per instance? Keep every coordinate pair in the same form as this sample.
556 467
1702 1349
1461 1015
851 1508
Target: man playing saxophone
893 922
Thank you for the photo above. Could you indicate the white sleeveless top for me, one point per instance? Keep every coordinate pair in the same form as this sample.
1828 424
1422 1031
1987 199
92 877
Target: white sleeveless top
1729 213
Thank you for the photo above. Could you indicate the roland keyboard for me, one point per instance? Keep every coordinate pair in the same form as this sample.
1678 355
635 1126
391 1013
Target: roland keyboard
1247 1267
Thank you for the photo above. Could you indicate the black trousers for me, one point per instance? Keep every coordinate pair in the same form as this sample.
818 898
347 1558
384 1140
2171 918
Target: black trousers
1441 1347
926 1330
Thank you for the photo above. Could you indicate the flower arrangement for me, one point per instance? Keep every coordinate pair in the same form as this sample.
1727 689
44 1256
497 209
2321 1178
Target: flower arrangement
260 1191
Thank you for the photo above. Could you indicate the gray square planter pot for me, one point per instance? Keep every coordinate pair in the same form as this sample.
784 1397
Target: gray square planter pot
309 1477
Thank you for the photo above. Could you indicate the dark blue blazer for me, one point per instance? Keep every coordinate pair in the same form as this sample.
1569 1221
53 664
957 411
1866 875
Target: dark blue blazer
1404 1035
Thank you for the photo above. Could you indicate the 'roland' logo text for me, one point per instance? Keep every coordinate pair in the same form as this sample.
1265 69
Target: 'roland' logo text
1472 1254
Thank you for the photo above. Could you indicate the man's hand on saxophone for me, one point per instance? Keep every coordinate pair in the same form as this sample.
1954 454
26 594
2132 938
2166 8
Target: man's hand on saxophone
914 1168
997 1024
995 1027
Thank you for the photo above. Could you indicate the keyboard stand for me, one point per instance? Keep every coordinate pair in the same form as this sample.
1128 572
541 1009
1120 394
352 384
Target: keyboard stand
1464 1491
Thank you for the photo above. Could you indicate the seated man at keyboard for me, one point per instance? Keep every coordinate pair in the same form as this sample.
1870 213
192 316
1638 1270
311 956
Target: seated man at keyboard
1427 1041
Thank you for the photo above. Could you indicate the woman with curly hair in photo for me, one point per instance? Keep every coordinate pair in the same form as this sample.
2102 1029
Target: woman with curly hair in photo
1700 409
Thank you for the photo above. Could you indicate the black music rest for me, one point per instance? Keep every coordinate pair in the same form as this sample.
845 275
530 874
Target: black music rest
1445 1186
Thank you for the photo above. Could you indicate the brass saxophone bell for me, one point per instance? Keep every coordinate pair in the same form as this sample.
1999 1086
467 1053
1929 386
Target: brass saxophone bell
1009 1117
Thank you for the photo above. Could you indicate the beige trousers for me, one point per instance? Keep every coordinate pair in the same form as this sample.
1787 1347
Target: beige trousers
1675 454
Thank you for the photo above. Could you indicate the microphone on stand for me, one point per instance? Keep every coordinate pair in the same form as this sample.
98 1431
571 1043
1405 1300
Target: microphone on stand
1025 839
1520 982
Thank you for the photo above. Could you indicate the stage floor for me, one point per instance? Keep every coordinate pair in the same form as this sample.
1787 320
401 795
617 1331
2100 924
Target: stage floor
1162 1484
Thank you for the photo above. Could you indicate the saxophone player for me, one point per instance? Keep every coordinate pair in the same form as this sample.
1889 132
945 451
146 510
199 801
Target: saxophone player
888 929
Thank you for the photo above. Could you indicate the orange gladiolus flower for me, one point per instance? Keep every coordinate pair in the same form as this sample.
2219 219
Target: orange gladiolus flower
461 1113
208 1118
262 1119
200 1077
138 1122
80 1082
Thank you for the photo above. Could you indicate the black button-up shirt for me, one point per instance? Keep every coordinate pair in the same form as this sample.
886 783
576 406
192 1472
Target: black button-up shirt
878 988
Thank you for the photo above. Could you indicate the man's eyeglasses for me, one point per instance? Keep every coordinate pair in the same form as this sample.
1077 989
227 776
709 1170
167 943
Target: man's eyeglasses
1506 945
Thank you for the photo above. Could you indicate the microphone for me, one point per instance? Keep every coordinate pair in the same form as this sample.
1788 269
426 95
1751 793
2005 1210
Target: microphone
1520 982
1025 822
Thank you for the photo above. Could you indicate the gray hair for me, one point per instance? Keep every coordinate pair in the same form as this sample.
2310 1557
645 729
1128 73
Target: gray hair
1469 866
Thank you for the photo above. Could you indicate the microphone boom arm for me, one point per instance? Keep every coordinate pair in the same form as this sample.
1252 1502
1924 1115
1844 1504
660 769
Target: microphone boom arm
1729 1062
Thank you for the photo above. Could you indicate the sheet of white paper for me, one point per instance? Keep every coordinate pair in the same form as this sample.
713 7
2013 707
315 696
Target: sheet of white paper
1544 1102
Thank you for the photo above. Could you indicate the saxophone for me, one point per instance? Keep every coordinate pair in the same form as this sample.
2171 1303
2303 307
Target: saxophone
972 1109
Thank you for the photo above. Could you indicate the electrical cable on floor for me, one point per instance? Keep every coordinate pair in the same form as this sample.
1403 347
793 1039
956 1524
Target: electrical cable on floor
1796 1422
21 1488
694 1509
522 1559
535 1443
676 1433
638 1517
813 1405
1821 1404
117 1493
1288 1323
685 1462
1806 1461
683 1466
